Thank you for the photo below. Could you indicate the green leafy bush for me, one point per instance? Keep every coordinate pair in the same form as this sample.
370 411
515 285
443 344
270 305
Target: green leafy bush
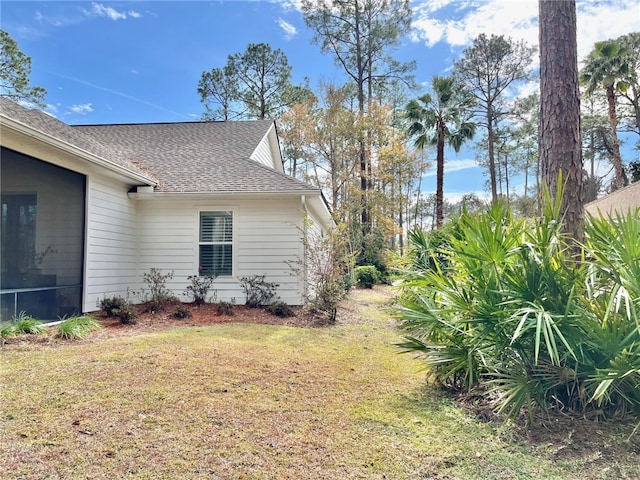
199 288
118 307
280 309
77 327
514 312
257 290
112 305
127 313
224 308
159 296
182 312
366 276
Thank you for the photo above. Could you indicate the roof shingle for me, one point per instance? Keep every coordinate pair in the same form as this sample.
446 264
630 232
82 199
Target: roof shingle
198 157
188 157
53 127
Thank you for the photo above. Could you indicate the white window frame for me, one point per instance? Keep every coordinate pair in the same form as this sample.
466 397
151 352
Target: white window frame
232 243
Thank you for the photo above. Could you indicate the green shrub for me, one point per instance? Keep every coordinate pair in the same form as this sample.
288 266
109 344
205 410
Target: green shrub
257 290
366 276
224 308
182 312
199 288
77 327
111 305
280 309
7 330
159 296
128 314
23 323
515 312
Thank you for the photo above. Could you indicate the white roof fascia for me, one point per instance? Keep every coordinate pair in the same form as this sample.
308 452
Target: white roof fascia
230 194
319 209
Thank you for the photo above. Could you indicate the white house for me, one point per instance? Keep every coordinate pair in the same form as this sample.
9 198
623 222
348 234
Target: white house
87 210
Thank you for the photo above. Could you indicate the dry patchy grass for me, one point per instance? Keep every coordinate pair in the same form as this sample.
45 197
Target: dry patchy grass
255 401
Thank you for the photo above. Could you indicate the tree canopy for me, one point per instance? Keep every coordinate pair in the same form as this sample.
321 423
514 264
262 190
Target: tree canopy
15 68
255 84
489 67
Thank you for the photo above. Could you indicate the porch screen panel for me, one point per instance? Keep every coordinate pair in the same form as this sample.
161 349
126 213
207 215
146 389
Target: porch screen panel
216 243
42 238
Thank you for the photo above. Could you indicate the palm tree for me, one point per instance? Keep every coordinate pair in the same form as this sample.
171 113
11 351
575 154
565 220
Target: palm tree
440 120
606 67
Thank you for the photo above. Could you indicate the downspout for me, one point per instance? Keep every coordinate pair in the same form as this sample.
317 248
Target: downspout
305 222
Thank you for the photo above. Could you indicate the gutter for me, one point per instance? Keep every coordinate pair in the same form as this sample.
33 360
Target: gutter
305 236
146 194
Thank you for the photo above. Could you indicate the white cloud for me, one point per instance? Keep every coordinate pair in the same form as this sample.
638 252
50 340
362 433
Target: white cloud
453 166
289 4
81 109
457 23
289 30
100 10
438 21
456 197
27 104
597 23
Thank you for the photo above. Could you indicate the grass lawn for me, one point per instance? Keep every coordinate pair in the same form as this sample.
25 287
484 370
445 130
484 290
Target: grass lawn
246 401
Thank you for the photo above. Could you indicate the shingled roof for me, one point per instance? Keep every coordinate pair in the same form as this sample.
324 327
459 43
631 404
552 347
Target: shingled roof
54 128
619 201
188 157
198 157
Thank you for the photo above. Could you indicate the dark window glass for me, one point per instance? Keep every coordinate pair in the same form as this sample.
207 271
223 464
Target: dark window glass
216 243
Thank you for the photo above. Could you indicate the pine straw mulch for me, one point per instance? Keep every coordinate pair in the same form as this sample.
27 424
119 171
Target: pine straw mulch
149 321
203 315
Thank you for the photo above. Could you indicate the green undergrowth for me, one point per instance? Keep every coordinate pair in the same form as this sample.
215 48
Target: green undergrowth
258 402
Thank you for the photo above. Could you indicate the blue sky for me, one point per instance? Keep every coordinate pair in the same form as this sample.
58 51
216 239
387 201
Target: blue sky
128 61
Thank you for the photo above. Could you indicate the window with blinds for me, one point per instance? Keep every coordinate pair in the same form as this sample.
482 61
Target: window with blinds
216 243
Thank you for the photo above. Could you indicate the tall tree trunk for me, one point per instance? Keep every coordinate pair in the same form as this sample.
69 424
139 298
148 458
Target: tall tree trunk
440 180
527 165
492 158
559 142
506 176
620 175
636 106
364 213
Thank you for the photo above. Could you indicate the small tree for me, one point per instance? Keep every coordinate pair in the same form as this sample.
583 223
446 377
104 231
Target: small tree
160 295
199 288
258 291
326 269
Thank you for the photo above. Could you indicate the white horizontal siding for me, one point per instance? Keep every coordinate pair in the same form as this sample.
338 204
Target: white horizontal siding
266 237
111 241
269 240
